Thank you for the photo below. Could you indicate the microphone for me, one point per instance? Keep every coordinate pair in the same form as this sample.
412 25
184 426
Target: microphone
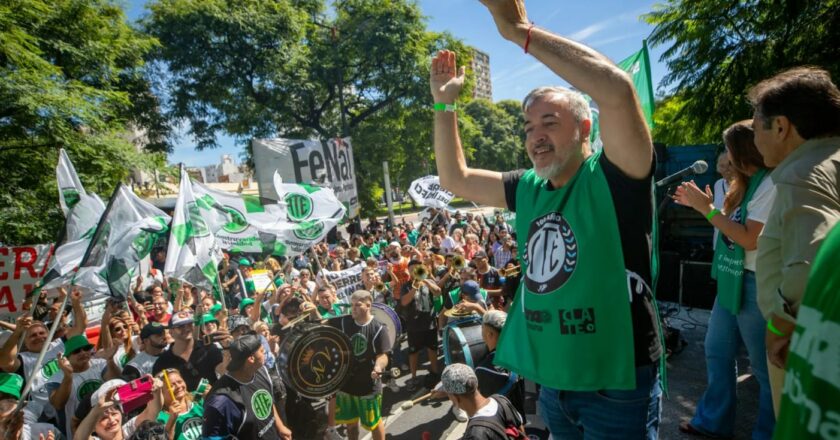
698 167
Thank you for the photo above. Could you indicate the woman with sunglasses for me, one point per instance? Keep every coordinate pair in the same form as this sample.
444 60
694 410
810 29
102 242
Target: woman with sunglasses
181 416
105 419
117 330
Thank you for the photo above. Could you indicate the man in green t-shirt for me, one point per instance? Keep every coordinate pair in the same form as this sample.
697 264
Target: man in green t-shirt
370 248
582 323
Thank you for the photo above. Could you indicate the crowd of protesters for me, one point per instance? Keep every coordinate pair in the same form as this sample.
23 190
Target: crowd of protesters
182 341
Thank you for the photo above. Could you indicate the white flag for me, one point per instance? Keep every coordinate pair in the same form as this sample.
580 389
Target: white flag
426 191
82 212
193 255
309 211
124 236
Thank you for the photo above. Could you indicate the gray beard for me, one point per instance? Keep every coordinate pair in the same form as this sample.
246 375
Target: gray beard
548 172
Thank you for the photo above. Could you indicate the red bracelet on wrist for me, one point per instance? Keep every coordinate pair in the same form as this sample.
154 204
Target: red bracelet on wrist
528 38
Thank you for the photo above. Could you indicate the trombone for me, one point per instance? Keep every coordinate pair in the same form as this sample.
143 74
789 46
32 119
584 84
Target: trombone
418 274
512 272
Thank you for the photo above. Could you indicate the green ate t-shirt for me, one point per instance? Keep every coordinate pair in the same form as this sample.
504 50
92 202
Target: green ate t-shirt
187 425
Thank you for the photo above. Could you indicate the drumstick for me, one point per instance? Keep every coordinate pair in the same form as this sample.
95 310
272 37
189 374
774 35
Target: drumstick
300 318
168 385
410 403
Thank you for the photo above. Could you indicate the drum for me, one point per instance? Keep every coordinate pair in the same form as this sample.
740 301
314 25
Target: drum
462 342
389 317
314 359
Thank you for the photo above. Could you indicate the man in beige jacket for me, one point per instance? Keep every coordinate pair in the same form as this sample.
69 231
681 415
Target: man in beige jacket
796 121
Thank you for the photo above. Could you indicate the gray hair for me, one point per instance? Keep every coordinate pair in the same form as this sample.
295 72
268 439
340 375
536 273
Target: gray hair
459 379
361 295
494 319
573 100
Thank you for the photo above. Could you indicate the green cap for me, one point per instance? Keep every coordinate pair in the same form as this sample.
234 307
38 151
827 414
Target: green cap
244 262
278 282
215 309
11 384
205 318
75 343
245 303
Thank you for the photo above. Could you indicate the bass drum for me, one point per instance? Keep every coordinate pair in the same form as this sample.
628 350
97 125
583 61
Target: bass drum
389 317
462 342
314 359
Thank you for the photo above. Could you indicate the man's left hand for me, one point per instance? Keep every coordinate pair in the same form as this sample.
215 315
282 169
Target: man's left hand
777 346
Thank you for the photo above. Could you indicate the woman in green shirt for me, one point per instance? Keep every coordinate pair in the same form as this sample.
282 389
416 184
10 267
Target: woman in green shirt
180 415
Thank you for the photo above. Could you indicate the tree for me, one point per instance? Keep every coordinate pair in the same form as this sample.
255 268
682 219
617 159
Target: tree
499 145
284 68
72 77
718 49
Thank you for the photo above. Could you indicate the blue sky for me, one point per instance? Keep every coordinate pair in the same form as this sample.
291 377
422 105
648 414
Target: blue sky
610 26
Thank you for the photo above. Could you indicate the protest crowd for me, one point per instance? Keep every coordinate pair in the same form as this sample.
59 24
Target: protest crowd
560 295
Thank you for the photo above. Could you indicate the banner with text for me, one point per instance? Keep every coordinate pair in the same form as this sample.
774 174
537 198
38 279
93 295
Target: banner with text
307 161
345 281
20 269
426 191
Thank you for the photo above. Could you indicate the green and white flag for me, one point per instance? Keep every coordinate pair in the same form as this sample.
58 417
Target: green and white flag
124 236
248 222
638 66
82 211
309 211
194 254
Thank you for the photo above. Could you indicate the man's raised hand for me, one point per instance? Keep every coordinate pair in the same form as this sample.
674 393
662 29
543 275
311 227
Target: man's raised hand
445 80
509 15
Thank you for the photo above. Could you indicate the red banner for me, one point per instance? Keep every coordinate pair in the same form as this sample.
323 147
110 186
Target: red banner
20 268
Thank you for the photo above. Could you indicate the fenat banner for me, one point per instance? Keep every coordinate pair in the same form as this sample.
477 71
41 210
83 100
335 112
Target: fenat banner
307 161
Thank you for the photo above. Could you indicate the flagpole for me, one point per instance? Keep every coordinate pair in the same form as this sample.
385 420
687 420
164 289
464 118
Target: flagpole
36 369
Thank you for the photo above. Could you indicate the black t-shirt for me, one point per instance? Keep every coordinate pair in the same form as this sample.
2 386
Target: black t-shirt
202 364
492 427
490 279
633 201
366 342
419 314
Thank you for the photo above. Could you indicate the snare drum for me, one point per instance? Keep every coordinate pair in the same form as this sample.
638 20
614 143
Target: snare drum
389 317
314 359
462 342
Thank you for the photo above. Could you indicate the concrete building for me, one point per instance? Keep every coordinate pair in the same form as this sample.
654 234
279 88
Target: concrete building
481 67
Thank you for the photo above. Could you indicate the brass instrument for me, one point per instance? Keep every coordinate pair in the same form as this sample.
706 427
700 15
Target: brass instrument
458 264
418 274
512 272
379 287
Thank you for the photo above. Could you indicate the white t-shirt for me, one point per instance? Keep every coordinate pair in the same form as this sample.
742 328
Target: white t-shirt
448 244
719 193
758 209
488 410
40 398
143 362
83 383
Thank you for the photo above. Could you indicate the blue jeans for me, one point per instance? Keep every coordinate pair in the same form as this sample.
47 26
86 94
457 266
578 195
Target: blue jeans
715 412
605 414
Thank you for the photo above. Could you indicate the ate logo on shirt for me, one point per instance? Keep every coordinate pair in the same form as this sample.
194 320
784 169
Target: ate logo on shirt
88 388
261 402
359 343
191 429
551 253
49 369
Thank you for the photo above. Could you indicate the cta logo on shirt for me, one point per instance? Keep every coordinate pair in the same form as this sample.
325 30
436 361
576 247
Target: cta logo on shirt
551 253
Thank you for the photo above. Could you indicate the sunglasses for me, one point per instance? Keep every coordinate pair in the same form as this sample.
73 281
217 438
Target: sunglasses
81 349
117 328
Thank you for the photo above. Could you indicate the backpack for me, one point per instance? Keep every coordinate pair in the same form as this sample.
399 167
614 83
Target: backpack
508 413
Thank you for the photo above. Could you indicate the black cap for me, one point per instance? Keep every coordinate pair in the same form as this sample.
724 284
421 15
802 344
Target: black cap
152 328
480 254
241 349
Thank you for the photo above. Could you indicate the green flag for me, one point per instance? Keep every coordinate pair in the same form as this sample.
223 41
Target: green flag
638 66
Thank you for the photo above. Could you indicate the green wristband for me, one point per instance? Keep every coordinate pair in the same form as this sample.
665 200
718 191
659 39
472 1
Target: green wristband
773 329
442 107
712 213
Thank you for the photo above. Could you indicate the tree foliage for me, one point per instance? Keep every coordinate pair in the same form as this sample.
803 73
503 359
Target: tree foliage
718 49
499 145
288 68
72 77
